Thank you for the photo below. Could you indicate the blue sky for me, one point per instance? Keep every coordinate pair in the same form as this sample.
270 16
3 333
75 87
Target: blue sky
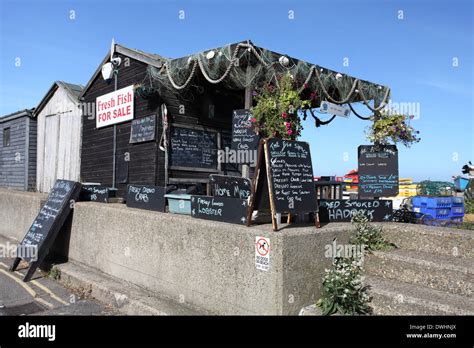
413 55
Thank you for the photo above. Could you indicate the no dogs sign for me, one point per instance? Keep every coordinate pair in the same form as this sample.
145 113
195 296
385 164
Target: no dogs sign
262 253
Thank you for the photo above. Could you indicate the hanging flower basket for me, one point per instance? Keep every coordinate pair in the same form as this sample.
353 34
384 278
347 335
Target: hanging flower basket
146 92
392 128
276 112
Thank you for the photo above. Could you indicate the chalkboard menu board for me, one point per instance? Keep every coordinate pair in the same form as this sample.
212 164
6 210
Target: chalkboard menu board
143 129
94 193
232 210
230 186
340 210
47 224
193 148
146 197
291 176
378 171
243 134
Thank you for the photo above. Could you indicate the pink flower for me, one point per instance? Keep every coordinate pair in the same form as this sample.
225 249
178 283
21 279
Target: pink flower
287 124
305 85
284 115
312 95
290 131
253 119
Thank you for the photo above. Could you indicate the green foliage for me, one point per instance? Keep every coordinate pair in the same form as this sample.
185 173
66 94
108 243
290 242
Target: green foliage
276 112
468 205
54 273
435 188
367 234
466 225
343 291
392 127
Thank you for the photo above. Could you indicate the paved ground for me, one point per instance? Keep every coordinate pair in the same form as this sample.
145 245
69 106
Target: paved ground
41 296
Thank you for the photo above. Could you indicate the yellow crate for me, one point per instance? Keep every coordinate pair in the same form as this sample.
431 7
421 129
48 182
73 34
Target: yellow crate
405 180
407 186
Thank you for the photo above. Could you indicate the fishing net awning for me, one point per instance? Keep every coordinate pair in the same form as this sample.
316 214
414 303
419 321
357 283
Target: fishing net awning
240 65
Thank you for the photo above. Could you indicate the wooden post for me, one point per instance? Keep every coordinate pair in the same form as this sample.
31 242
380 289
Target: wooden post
248 105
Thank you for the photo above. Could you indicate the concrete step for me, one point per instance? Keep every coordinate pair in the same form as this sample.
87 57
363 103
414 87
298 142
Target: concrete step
435 271
123 296
392 297
437 240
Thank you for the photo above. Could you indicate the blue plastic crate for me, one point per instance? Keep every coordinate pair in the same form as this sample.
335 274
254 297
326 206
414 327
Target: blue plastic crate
457 201
457 220
435 213
432 202
457 211
179 203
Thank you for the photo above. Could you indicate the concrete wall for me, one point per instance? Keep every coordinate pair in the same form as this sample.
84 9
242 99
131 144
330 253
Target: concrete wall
17 212
208 264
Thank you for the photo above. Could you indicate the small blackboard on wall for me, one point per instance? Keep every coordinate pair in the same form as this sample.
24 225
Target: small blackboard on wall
146 197
230 186
93 193
378 171
143 129
244 137
232 210
341 210
193 148
41 235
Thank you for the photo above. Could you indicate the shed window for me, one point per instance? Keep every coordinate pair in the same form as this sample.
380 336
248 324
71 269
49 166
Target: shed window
6 137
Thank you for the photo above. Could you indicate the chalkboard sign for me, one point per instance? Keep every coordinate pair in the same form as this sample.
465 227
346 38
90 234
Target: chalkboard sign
232 210
146 197
244 137
378 171
230 186
291 176
341 210
193 148
42 233
143 129
94 193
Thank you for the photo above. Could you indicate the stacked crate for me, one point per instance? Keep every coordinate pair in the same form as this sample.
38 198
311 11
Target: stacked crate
439 209
406 188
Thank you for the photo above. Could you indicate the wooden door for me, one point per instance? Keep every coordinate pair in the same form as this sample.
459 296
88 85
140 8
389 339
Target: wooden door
51 144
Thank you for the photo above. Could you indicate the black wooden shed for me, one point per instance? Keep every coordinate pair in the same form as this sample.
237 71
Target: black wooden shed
194 97
18 133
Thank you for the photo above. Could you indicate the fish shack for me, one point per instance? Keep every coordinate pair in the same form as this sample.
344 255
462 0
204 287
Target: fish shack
18 150
151 120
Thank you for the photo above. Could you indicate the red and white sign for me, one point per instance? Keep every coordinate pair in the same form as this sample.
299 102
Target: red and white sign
114 107
262 253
